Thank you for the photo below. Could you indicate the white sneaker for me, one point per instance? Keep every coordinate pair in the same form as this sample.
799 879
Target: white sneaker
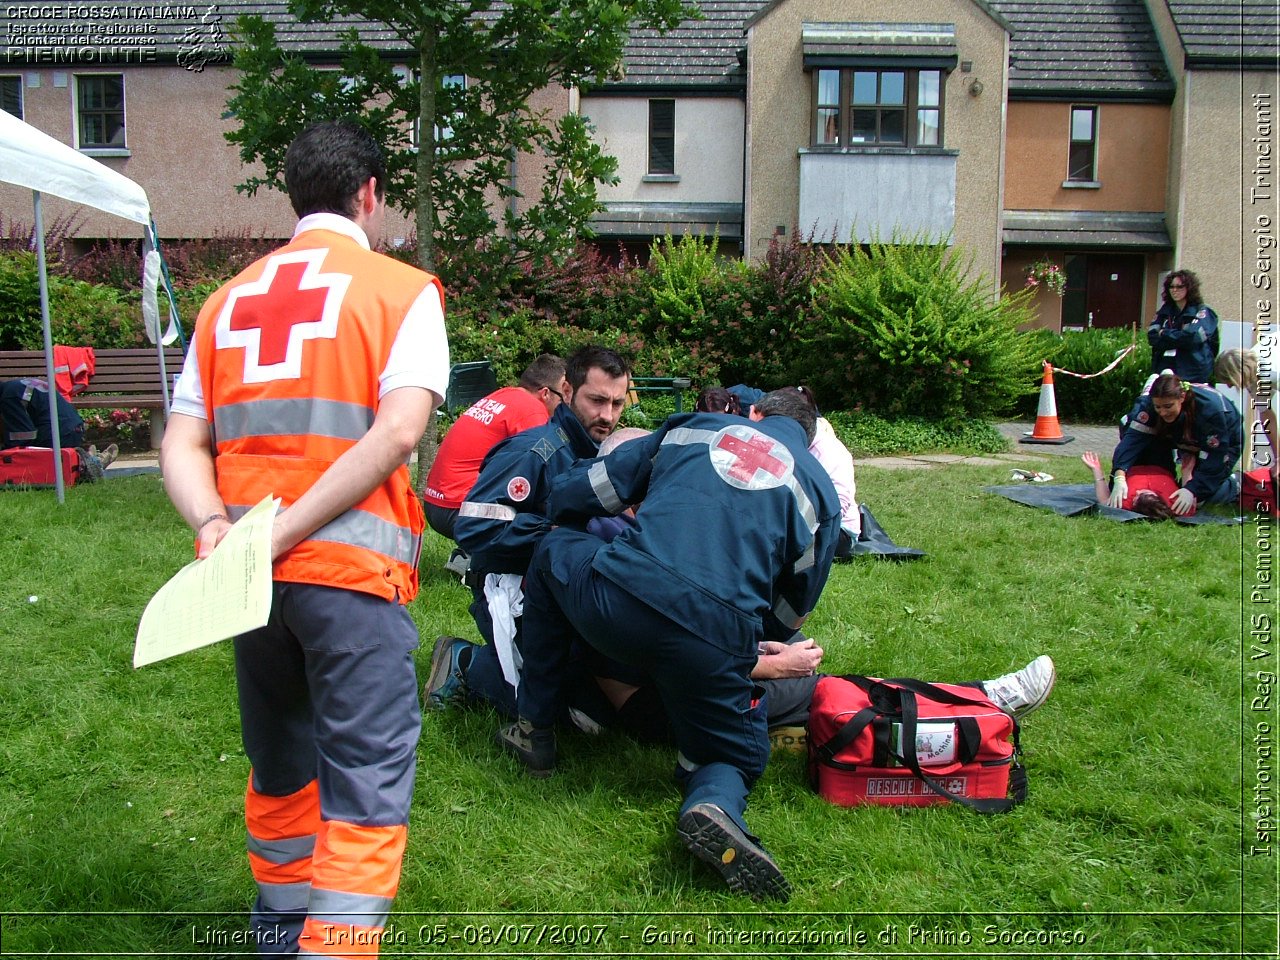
1017 694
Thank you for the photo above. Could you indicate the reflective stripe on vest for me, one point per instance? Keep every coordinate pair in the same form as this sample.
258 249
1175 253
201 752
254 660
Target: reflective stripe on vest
292 417
359 528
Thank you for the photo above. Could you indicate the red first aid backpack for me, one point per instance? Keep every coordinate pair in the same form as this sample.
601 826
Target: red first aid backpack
911 743
33 467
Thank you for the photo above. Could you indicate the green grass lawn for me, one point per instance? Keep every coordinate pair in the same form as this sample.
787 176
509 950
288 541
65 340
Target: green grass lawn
121 791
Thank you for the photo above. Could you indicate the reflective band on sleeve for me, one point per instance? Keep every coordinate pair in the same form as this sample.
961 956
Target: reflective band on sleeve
787 616
1141 427
361 909
807 559
486 511
284 850
292 417
284 897
23 435
603 488
686 435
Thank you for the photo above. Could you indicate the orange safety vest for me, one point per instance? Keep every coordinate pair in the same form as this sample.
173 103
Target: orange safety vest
290 352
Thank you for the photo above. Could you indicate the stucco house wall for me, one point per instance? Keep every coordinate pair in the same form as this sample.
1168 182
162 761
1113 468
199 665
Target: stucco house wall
780 103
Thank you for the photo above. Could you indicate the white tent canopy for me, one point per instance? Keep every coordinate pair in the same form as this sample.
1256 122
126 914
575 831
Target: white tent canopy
33 159
30 158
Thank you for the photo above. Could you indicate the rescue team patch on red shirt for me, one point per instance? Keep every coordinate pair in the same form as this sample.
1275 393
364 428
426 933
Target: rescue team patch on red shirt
518 489
750 460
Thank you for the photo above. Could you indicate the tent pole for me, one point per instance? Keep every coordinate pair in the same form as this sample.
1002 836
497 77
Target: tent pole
48 350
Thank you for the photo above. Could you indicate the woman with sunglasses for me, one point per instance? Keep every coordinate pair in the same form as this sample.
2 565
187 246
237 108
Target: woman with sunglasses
1184 332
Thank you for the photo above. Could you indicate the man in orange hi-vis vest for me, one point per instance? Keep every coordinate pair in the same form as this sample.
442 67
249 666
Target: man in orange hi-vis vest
311 377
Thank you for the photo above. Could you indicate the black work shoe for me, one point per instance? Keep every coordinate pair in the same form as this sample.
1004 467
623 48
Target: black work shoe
711 836
447 684
535 748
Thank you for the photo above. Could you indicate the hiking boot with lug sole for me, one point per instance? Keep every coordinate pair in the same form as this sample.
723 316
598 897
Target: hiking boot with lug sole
534 747
712 836
447 685
1022 691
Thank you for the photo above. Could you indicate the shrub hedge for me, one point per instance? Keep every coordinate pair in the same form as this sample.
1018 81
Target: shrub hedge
894 329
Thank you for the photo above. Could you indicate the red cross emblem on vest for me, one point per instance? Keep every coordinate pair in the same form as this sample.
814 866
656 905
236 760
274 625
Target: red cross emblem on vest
747 458
271 317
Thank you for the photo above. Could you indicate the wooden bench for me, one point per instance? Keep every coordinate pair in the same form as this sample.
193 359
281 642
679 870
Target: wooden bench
122 379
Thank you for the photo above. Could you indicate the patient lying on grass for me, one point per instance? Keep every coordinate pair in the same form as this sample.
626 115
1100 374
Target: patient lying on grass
1150 488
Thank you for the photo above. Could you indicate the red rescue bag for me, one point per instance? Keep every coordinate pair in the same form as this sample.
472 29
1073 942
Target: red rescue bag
33 467
1258 493
911 743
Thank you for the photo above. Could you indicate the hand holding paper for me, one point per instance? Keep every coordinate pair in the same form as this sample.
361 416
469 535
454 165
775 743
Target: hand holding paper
226 594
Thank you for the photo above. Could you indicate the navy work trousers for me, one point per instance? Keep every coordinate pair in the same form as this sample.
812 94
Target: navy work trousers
707 691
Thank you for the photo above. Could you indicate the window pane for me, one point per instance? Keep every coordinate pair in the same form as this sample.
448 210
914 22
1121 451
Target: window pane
829 125
864 86
893 87
930 82
864 126
1082 124
11 95
893 126
927 128
1080 162
828 87
662 136
115 129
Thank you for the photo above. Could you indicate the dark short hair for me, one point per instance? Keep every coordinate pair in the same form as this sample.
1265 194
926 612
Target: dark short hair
1192 282
546 371
328 163
585 359
717 400
1151 504
788 402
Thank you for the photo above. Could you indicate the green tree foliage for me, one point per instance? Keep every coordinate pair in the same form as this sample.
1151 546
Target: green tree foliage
904 328
508 52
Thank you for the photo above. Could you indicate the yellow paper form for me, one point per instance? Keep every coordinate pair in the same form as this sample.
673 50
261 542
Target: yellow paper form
221 596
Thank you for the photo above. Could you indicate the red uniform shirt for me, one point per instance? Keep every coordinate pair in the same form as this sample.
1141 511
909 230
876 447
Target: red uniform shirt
1156 479
484 425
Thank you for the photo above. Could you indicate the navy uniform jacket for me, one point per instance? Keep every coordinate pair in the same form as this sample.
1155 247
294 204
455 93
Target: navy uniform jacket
1215 437
24 411
504 515
1192 333
737 529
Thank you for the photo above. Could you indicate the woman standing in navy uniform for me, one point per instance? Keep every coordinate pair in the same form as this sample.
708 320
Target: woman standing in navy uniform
1184 332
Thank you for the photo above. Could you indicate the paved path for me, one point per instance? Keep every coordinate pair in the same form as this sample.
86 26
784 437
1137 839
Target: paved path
1103 439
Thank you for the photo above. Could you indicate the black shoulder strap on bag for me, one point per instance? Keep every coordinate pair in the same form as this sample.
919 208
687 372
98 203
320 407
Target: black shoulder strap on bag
846 735
912 762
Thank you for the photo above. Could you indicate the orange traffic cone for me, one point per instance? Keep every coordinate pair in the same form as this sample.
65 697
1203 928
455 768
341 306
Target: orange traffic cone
1047 428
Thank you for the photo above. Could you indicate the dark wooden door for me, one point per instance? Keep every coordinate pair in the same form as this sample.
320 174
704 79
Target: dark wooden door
1113 295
